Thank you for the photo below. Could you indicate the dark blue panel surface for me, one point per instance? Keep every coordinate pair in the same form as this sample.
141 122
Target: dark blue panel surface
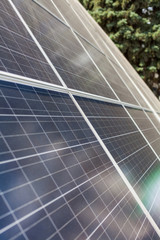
56 181
128 147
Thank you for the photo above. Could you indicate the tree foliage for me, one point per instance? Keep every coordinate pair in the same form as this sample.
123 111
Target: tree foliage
134 27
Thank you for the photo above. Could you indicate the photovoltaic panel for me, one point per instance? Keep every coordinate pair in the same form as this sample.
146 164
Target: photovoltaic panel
49 7
127 146
91 27
109 73
147 93
154 120
65 52
104 43
143 166
147 127
68 13
19 54
56 177
130 85
114 54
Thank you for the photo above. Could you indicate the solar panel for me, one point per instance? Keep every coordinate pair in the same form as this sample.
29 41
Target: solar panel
128 74
147 126
19 53
109 73
79 142
63 49
48 5
44 166
124 141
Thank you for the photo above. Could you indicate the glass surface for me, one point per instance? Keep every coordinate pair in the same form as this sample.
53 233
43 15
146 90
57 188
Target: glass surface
128 147
56 181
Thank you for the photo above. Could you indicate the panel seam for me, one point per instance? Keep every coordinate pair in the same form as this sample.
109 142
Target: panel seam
50 86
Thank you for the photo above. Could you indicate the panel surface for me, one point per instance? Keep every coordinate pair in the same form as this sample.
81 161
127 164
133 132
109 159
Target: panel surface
130 85
19 54
72 19
56 181
114 54
155 121
147 93
128 147
49 7
148 127
110 74
65 52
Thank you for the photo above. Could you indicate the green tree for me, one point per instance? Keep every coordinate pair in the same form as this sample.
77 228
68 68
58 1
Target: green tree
134 27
